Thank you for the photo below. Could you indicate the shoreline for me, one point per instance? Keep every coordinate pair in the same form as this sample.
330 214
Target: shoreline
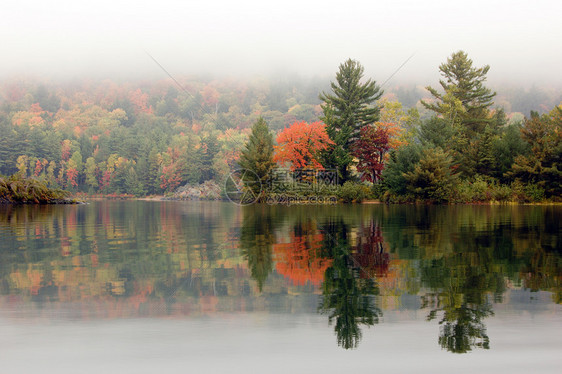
365 202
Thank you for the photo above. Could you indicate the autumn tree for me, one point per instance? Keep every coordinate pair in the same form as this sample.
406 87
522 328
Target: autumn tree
372 148
301 144
257 155
346 110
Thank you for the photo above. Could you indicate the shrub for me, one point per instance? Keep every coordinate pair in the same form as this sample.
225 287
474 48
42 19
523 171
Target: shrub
351 192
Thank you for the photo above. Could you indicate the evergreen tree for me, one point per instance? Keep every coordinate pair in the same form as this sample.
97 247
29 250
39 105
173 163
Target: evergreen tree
346 111
257 156
465 107
463 84
432 178
401 161
209 149
543 165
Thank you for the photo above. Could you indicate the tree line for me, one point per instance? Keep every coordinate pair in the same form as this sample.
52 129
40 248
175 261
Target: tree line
455 145
467 151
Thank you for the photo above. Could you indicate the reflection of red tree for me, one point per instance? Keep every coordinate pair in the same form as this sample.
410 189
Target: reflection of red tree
298 260
369 252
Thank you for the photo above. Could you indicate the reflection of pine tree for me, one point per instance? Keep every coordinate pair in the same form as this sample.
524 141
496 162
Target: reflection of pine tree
463 281
256 241
347 299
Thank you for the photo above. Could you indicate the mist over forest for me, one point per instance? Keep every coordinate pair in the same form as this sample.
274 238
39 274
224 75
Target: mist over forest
124 98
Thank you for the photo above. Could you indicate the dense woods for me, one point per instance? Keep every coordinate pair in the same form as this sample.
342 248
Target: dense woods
462 142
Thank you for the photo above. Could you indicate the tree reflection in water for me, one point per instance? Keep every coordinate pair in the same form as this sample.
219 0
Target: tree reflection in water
132 259
347 298
256 240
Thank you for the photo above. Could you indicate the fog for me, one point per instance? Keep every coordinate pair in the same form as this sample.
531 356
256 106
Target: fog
68 39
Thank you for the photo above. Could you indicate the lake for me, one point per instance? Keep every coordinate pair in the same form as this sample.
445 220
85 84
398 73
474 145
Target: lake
197 287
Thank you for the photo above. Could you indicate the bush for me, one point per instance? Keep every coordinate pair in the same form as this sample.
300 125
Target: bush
351 192
502 193
377 191
526 193
534 193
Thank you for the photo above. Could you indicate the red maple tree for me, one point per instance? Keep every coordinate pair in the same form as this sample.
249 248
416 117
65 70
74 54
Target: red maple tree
300 145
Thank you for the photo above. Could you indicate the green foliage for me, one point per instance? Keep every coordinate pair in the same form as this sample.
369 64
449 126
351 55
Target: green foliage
351 192
16 189
543 165
149 138
346 111
401 161
505 148
257 156
466 100
436 132
432 178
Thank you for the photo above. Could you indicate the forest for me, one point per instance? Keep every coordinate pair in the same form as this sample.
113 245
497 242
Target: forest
462 142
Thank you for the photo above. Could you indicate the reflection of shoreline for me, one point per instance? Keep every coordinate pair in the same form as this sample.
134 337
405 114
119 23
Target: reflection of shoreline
19 308
131 259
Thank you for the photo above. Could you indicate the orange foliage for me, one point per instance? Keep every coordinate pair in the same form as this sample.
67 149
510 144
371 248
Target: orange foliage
65 149
301 143
394 131
210 96
140 100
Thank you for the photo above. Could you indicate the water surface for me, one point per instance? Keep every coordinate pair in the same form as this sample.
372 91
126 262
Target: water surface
140 287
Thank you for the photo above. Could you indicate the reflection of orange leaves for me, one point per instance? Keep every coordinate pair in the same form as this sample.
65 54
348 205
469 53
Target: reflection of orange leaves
31 280
298 261
95 260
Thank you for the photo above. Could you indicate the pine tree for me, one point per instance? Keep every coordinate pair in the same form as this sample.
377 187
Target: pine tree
346 111
257 156
464 85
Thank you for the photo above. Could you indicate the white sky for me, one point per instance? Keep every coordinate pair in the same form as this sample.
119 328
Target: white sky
520 40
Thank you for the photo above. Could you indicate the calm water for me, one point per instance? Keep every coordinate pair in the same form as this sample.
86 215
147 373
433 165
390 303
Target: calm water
185 287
